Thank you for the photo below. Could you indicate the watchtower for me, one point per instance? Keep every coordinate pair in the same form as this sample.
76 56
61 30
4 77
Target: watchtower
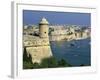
43 28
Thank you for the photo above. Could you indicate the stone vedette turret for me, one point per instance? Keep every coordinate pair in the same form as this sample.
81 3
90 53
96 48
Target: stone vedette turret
43 28
38 47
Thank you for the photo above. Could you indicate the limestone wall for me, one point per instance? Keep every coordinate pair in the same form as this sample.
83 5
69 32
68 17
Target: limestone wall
39 53
75 36
34 41
38 48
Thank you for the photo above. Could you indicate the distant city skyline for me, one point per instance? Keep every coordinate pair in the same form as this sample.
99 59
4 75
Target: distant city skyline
72 18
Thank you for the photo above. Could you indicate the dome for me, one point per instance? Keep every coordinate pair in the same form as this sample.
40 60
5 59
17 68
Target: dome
44 21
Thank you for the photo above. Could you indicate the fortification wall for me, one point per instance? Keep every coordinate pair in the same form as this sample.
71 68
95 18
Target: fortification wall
39 53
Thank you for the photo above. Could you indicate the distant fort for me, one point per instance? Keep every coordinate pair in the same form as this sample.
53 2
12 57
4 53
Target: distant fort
36 38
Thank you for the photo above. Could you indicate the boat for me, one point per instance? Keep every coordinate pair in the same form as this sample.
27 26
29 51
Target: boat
72 44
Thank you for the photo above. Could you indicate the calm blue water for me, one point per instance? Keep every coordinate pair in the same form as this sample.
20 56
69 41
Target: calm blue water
74 52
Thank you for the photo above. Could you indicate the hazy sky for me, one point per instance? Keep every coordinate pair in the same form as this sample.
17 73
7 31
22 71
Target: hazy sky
34 17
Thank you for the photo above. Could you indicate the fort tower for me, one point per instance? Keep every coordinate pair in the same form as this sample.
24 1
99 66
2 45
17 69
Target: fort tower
43 28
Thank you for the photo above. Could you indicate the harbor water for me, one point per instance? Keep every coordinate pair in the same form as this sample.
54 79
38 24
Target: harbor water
76 52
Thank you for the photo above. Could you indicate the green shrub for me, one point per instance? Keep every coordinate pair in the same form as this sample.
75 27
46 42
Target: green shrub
27 65
27 60
63 63
49 62
36 65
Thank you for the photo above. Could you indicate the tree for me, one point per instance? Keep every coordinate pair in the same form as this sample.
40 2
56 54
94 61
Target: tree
52 62
44 63
25 57
36 65
27 61
49 62
63 63
27 65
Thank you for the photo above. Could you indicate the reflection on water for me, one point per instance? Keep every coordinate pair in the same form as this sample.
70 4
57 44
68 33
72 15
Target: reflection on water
75 52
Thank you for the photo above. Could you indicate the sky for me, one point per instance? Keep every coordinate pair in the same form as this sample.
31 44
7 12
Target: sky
71 18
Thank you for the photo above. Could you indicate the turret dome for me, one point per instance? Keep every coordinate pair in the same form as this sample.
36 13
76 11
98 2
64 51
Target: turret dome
44 21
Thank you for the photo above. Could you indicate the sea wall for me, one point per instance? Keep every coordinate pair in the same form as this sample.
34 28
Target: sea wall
39 53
